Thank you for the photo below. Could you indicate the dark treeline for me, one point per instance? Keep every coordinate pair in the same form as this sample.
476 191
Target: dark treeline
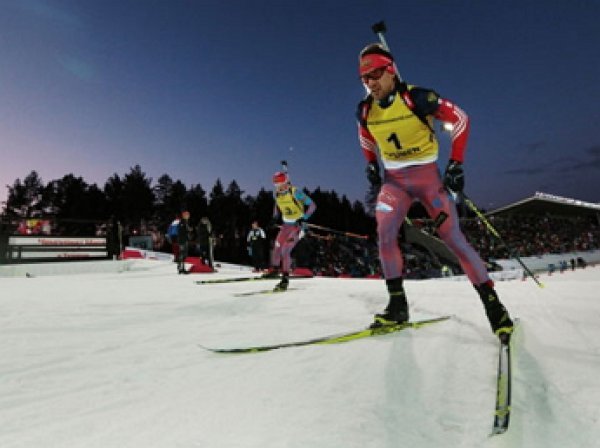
141 207
138 204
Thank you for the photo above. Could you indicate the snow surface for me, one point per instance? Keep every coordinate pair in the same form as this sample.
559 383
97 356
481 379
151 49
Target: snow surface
114 360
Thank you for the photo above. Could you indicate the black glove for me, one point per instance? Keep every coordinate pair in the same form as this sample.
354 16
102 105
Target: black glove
454 177
373 174
302 223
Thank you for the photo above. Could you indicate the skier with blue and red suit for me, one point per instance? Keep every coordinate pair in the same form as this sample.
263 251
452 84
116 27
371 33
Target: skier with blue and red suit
395 120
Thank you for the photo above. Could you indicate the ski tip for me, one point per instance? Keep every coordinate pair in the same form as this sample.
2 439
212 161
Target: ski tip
236 351
212 350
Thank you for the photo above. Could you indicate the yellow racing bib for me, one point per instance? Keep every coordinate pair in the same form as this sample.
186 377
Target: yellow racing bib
291 209
402 138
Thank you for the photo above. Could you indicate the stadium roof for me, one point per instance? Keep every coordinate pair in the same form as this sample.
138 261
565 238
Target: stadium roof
543 203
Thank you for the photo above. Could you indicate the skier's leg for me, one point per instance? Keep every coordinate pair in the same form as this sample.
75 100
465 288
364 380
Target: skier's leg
391 209
436 200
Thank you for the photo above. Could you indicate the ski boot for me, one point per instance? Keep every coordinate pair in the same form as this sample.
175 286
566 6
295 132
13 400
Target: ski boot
396 311
271 273
499 319
283 284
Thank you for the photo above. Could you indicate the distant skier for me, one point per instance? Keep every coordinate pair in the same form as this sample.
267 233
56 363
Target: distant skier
397 119
295 208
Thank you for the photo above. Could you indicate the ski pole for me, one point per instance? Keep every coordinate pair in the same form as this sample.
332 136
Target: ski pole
380 29
338 232
494 232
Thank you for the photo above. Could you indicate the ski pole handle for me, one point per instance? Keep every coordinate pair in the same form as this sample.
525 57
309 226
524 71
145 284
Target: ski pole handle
380 29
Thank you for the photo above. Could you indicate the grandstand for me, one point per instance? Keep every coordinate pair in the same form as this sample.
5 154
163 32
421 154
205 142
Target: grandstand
549 231
546 231
548 204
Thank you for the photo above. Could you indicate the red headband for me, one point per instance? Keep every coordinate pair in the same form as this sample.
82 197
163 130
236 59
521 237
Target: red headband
370 62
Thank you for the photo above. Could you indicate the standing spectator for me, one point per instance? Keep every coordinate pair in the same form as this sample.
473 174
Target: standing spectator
184 233
113 238
256 245
4 237
395 123
295 208
563 266
171 237
205 241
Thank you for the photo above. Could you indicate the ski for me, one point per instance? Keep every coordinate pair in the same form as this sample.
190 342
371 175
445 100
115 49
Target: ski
333 339
504 386
242 279
264 291
232 279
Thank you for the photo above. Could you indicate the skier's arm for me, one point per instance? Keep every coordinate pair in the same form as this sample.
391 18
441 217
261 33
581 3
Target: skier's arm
365 138
449 112
368 145
308 202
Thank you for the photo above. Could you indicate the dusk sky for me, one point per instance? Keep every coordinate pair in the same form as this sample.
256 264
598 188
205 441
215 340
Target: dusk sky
207 89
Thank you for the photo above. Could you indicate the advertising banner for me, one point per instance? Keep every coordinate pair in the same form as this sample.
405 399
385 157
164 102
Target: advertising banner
48 248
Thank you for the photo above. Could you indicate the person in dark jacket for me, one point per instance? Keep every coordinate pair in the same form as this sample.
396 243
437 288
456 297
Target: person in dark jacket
204 239
184 232
256 246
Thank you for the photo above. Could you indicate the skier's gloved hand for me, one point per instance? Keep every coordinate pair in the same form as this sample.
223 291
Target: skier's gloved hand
302 223
373 174
454 177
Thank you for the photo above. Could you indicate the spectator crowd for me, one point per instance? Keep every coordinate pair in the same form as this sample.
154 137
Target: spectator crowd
526 236
338 255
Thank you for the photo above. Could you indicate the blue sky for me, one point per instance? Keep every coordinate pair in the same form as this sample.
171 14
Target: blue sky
207 89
